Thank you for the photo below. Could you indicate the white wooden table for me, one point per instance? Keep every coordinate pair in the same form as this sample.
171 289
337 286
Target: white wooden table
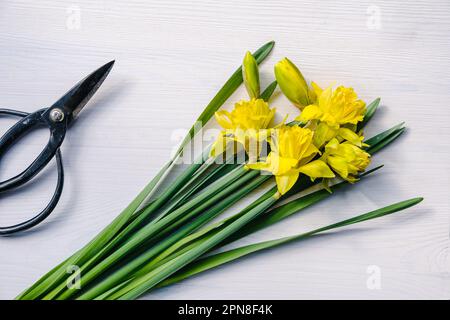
172 56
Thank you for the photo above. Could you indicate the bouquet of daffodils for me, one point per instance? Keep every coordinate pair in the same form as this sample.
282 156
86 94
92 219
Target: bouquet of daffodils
174 232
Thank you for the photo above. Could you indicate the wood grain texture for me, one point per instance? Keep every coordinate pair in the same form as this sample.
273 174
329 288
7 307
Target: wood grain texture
172 56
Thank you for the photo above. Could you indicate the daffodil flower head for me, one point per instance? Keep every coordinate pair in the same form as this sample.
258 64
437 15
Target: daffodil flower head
252 114
334 109
345 159
292 150
246 124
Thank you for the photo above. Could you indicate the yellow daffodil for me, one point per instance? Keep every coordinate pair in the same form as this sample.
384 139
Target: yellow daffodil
250 74
293 84
337 111
346 159
291 153
246 124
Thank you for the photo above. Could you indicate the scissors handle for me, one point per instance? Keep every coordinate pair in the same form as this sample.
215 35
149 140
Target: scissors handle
57 132
18 130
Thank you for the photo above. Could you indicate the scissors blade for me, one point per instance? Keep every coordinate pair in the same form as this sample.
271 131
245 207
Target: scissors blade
76 98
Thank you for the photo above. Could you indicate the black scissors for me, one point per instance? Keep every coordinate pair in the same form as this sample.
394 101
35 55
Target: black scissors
57 118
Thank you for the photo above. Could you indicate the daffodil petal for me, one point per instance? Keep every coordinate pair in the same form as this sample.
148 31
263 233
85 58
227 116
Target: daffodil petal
350 136
310 112
332 145
312 150
324 99
323 134
339 165
317 169
286 182
284 165
223 119
317 90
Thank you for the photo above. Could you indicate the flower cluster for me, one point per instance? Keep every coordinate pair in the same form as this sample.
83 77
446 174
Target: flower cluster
322 142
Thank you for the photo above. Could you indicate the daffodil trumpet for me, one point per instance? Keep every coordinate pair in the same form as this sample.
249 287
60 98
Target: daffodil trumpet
247 124
167 236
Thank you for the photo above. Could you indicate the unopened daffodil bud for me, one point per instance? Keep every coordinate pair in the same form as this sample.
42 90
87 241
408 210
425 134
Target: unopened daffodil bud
250 74
292 83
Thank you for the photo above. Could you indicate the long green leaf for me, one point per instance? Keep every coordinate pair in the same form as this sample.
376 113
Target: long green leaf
384 135
375 148
219 259
267 93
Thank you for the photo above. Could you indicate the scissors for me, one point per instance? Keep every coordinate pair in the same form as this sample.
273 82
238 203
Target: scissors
57 119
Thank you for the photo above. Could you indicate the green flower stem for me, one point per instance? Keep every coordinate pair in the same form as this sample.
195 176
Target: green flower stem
137 263
215 193
269 217
198 181
194 239
138 286
181 180
189 241
193 185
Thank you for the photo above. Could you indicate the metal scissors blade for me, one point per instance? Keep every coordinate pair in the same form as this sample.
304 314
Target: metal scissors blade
73 101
